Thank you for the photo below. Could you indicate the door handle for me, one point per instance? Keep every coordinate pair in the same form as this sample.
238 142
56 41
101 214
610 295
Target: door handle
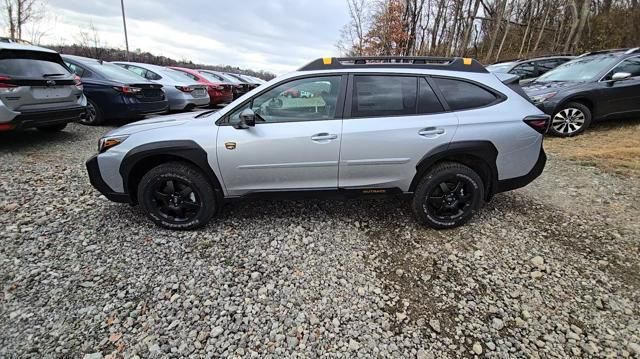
324 136
431 131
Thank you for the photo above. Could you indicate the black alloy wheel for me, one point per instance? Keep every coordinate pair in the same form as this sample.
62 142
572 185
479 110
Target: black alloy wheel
448 195
175 200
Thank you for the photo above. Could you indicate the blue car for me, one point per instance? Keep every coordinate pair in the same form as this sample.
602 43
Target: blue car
114 93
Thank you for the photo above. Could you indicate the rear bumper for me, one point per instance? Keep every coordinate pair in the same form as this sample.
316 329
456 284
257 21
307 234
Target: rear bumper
98 182
47 117
218 99
137 109
519 182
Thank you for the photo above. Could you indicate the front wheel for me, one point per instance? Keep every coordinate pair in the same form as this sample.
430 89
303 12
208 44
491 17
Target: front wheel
177 195
571 120
448 196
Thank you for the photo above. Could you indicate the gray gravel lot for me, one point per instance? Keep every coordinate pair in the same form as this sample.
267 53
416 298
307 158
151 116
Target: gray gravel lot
551 270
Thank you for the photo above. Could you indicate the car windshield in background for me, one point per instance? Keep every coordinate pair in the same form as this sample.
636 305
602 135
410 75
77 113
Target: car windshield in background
115 72
176 75
582 69
499 67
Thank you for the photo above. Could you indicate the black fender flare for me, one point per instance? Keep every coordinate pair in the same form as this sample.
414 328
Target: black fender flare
186 150
479 155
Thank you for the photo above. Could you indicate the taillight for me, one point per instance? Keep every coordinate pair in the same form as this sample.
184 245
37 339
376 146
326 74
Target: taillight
78 82
185 88
6 85
539 123
128 90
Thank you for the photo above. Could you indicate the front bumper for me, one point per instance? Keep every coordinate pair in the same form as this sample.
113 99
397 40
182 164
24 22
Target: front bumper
47 118
98 182
519 182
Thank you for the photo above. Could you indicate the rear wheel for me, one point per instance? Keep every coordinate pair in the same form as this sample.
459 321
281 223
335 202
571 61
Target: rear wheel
177 195
448 195
94 116
53 128
571 120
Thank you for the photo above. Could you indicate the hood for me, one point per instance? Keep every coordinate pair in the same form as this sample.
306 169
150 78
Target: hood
153 123
538 88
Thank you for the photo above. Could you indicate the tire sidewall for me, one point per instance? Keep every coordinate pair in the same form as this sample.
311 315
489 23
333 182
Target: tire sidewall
587 119
205 195
99 117
433 180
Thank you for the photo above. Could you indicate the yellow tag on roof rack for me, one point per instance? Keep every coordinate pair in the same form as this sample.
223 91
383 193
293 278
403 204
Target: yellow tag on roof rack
326 60
466 61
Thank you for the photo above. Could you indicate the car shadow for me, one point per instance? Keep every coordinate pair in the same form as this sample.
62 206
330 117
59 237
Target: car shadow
18 140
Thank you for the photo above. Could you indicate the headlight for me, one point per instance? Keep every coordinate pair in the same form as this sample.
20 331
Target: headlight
538 99
106 143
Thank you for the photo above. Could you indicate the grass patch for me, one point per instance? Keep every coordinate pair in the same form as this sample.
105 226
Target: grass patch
613 146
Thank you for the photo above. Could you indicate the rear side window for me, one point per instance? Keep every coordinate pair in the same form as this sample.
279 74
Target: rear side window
76 69
375 96
31 64
462 95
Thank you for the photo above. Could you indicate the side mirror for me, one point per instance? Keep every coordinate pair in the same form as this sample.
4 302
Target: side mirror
619 76
247 119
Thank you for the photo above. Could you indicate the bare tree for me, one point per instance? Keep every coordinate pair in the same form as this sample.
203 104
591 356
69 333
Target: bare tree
353 33
19 13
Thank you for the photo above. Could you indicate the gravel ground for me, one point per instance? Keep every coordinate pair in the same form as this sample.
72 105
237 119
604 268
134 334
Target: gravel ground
551 270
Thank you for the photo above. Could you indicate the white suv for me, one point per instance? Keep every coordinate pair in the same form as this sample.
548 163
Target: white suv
443 130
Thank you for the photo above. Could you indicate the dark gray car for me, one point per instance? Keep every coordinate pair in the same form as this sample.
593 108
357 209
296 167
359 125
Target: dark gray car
530 69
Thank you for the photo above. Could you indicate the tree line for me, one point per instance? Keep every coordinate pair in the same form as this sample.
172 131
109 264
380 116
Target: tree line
489 30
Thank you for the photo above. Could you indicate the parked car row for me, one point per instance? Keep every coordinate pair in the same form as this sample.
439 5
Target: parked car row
43 89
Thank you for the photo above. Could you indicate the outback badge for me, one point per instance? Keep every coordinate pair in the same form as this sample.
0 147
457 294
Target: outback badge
230 145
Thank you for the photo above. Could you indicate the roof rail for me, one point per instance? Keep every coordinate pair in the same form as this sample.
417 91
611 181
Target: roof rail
410 62
632 51
589 53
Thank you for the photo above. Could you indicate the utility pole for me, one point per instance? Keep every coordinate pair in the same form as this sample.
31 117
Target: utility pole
124 22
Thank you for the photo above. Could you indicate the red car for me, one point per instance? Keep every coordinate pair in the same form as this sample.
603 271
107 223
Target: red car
219 92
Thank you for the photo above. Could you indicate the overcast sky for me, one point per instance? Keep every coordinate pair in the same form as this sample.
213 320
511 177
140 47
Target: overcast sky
272 35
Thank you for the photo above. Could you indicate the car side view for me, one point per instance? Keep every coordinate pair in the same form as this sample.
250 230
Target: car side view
442 130
596 86
220 92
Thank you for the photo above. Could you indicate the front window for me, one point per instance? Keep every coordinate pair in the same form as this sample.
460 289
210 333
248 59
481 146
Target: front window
525 71
299 100
631 66
582 69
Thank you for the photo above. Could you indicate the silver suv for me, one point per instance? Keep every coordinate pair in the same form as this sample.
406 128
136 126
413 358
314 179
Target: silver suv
442 130
37 89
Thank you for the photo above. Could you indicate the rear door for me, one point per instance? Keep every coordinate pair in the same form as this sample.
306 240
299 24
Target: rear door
35 80
391 122
295 145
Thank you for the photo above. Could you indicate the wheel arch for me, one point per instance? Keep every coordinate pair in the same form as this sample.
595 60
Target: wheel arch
581 99
143 158
480 156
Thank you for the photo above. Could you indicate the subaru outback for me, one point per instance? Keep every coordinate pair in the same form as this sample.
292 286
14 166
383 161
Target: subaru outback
442 130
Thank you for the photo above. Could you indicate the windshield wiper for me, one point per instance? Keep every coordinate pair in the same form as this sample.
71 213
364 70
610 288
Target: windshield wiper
52 75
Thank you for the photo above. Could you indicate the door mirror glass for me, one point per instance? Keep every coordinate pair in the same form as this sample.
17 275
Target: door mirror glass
247 119
620 76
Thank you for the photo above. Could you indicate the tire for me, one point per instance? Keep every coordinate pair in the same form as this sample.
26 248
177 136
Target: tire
176 195
435 205
53 128
571 120
95 115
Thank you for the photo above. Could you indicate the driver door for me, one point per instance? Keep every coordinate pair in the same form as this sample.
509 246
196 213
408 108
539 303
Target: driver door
295 143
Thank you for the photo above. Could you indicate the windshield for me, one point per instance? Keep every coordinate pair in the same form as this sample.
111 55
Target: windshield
582 69
500 67
115 72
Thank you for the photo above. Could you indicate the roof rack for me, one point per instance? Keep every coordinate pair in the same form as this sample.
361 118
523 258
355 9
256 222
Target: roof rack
607 51
632 51
410 62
